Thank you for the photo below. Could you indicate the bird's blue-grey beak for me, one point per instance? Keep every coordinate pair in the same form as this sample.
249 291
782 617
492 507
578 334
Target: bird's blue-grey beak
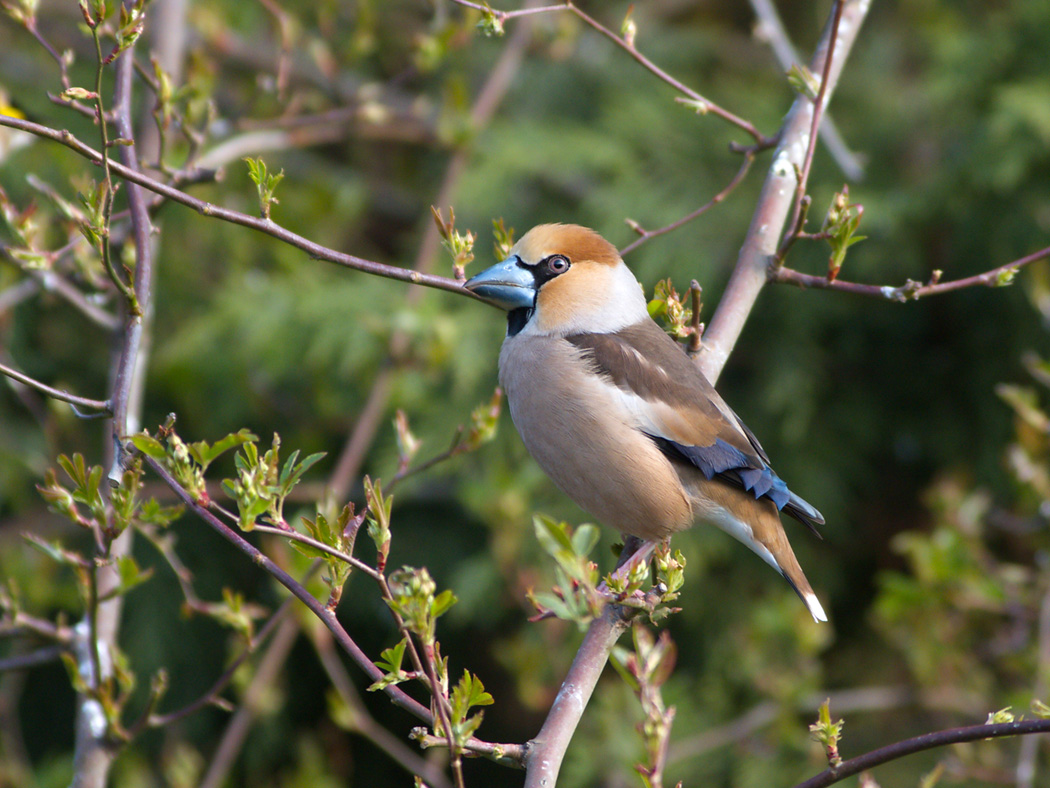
509 285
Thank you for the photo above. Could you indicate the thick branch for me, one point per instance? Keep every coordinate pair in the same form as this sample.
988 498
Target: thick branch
546 751
777 197
771 28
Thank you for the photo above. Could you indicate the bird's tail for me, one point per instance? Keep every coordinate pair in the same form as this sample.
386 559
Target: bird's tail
805 593
757 524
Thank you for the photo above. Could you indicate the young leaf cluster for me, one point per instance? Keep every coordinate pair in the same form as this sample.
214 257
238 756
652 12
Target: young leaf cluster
262 484
645 669
188 462
575 595
840 229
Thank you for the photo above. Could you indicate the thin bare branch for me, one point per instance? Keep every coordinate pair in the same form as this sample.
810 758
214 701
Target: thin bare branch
266 226
41 656
771 29
628 46
927 741
316 607
211 696
910 290
646 235
64 396
860 699
17 293
363 723
295 536
708 105
819 105
233 737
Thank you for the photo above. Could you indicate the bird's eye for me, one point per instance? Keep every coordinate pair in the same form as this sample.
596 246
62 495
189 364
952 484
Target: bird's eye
557 264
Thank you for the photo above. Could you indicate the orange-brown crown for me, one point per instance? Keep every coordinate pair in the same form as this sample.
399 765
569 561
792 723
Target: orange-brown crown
575 242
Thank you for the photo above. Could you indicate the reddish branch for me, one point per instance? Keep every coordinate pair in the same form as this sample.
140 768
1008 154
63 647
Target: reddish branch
59 394
911 289
316 607
627 45
820 104
646 235
266 226
510 752
927 741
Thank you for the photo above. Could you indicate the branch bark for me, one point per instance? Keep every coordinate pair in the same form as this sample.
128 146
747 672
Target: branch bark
752 269
93 753
546 751
750 274
927 741
315 250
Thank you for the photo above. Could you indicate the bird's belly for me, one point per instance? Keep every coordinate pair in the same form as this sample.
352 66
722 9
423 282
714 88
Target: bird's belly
589 448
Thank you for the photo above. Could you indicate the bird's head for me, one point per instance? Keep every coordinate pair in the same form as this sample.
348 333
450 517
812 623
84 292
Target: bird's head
562 279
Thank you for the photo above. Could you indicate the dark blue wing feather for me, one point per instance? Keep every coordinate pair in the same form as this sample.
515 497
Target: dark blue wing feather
733 466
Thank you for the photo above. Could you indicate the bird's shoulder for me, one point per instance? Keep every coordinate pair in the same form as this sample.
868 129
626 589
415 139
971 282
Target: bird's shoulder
643 361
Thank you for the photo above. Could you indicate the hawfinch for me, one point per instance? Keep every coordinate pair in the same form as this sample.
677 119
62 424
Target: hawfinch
617 414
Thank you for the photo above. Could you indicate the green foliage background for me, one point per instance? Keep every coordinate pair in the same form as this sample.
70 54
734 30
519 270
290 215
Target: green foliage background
883 415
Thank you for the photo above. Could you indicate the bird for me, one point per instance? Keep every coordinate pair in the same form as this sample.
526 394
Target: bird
618 415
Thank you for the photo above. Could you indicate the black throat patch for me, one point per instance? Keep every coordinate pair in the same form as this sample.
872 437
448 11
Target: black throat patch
517 319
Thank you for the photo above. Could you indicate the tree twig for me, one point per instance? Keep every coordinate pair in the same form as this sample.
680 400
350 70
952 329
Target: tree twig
910 290
59 394
771 28
39 657
236 731
363 722
760 244
645 235
627 45
266 226
316 607
820 103
927 741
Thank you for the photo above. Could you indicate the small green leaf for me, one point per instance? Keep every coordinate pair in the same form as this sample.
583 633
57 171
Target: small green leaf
585 539
803 81
442 603
205 454
491 23
130 576
552 535
1003 715
149 446
390 663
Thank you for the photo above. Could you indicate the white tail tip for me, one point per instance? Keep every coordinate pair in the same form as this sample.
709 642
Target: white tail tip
814 607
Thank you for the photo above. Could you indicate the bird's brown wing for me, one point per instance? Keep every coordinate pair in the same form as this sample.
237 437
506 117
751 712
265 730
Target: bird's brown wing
683 414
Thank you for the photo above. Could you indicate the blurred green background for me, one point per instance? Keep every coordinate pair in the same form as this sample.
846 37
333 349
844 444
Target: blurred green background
885 416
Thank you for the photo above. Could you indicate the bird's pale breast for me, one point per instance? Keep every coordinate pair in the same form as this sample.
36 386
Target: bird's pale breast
583 437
